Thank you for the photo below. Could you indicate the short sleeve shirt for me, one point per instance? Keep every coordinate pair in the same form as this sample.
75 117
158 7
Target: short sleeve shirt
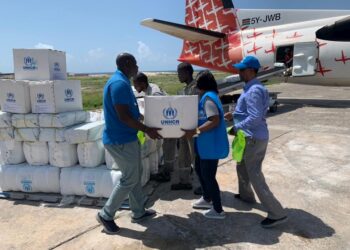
118 91
210 108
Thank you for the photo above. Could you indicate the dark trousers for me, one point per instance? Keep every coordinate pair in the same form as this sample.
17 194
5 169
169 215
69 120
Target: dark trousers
206 171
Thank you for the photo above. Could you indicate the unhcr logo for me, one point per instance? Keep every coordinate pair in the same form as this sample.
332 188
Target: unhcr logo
56 67
29 63
69 95
40 98
10 97
170 115
89 187
26 185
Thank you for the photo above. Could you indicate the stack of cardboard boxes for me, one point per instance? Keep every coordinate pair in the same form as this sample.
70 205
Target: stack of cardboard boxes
47 142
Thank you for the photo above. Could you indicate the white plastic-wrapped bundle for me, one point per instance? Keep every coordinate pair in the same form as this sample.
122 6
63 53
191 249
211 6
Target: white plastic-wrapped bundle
39 134
27 134
84 133
146 171
148 147
111 164
36 153
95 116
5 120
11 152
7 134
52 134
93 182
62 120
26 178
91 154
25 120
62 154
153 161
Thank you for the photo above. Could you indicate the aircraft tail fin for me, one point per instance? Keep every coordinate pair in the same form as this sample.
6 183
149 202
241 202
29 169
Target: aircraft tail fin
216 16
211 34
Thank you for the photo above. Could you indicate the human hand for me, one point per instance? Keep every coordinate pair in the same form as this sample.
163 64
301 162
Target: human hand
153 133
228 116
189 133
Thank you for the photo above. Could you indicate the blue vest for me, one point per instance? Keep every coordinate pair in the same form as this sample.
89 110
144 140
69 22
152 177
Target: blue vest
212 144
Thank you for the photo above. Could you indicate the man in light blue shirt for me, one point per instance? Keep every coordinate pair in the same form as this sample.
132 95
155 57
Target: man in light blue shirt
250 117
120 140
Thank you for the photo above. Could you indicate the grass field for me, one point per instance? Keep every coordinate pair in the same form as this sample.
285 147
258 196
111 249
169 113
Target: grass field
92 87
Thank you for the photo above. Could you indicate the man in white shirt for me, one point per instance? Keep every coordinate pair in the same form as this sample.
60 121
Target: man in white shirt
169 145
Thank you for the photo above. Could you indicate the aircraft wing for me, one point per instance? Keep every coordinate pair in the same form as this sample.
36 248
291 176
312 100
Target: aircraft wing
183 31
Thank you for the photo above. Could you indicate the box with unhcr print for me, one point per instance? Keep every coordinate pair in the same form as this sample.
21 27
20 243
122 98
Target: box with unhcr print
171 114
39 64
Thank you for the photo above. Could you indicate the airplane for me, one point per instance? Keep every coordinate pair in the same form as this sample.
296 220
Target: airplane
217 35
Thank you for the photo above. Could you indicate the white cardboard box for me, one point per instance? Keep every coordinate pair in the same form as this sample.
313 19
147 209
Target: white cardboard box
55 96
39 64
171 114
15 96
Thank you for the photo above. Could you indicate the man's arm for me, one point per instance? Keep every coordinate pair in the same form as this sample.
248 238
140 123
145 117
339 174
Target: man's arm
124 116
255 109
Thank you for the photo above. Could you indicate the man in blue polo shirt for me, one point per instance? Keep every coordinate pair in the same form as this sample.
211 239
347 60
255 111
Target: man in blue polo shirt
250 117
120 139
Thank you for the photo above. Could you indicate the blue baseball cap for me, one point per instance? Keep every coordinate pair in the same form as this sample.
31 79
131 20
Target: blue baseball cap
249 62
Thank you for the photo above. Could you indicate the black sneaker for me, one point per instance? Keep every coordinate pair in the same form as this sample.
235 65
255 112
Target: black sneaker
198 191
267 223
148 214
181 186
109 226
239 197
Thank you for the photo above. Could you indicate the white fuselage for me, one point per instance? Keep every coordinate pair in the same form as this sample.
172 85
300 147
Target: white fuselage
264 31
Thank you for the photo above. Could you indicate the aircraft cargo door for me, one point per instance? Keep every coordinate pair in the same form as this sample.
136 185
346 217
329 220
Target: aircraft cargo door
304 59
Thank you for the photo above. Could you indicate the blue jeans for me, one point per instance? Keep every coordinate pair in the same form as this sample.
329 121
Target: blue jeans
206 171
128 158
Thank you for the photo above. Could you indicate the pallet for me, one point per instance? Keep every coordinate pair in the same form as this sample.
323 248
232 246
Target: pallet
59 200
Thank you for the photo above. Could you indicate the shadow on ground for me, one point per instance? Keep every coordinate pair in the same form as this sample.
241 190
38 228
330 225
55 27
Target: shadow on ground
173 232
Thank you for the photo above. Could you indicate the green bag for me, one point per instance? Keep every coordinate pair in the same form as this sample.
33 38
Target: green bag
238 146
141 136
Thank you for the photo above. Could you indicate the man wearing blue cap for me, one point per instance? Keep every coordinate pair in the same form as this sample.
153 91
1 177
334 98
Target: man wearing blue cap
249 116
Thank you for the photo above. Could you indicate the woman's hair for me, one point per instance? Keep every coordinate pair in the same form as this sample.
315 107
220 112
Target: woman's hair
206 81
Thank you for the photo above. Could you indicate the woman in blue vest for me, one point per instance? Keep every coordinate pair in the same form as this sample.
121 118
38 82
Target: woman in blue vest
211 144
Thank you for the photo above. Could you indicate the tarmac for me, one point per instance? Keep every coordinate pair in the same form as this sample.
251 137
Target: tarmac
307 167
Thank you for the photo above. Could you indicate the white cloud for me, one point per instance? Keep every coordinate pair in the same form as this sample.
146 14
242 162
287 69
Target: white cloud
144 51
43 46
146 54
96 53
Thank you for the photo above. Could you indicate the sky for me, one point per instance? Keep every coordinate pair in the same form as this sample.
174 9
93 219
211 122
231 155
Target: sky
92 33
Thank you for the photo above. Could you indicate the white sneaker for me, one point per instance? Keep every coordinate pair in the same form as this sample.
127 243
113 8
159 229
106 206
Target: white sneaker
202 204
212 214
